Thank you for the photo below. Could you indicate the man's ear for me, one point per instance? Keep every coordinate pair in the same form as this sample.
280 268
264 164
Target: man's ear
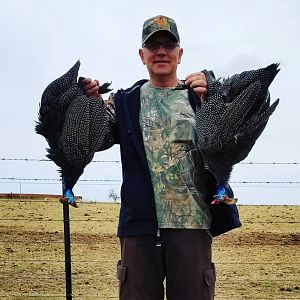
141 53
180 55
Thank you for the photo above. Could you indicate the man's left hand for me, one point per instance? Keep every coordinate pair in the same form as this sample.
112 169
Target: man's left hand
197 81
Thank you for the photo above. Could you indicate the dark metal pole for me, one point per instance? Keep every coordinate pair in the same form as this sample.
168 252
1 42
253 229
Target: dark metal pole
67 242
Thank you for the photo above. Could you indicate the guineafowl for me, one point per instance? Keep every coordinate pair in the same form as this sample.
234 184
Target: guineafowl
74 126
231 120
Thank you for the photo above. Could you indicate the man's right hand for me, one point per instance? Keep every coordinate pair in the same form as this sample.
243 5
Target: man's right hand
91 87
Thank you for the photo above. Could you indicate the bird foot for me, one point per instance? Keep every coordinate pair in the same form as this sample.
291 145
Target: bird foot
181 86
104 88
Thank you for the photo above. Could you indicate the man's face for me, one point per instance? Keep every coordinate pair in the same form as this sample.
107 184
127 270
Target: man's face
161 55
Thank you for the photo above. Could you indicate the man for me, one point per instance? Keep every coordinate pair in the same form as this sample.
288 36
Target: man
165 217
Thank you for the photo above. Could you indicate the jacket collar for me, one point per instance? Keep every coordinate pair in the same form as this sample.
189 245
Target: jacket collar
131 107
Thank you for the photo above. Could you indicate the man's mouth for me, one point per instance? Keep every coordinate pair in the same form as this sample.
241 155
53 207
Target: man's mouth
161 61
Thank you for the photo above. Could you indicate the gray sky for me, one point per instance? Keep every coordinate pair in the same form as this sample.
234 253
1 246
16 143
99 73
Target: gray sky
41 40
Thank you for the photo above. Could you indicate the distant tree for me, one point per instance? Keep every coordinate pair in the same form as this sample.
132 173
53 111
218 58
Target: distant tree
113 195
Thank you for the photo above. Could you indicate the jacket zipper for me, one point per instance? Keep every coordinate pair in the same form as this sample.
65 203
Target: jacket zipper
158 240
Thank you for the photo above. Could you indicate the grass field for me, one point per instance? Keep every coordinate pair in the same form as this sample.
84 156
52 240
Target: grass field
260 260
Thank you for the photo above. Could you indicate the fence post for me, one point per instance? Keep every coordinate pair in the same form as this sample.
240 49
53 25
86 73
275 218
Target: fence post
67 243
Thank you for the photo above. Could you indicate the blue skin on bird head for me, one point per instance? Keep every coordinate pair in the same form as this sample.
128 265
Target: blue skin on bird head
69 198
224 194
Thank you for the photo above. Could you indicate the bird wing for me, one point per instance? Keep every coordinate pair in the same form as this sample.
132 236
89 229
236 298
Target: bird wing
234 114
74 125
233 117
56 98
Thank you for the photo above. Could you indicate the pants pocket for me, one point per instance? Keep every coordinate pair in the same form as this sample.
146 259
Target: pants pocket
121 271
210 281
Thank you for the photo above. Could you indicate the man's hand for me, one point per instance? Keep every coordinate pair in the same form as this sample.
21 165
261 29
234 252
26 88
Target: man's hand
91 87
197 81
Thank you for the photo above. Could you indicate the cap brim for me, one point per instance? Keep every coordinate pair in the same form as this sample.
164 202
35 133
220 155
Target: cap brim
152 33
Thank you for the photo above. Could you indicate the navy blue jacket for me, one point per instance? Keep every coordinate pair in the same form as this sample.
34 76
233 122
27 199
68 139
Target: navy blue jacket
137 213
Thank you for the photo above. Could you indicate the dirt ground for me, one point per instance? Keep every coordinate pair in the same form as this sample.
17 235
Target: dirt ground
260 260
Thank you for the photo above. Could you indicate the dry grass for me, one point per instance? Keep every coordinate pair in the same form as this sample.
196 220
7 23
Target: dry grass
261 260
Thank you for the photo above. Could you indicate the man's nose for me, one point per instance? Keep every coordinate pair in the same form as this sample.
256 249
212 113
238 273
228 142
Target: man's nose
161 49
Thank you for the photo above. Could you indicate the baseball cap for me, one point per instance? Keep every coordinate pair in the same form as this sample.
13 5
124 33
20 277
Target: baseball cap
159 23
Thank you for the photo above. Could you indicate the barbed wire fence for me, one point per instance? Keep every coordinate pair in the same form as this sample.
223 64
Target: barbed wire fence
110 181
294 262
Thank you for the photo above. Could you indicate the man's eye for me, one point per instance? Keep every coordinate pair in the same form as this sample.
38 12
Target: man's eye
154 45
168 45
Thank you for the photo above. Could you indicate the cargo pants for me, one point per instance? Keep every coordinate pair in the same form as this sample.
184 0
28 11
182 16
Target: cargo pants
181 257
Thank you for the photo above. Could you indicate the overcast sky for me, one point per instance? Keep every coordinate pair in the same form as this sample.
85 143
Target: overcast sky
41 40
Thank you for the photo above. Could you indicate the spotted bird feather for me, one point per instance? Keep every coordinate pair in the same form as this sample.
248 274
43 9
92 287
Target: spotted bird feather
74 125
233 117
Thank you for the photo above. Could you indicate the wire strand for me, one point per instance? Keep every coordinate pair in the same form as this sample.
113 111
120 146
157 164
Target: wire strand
119 180
118 161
